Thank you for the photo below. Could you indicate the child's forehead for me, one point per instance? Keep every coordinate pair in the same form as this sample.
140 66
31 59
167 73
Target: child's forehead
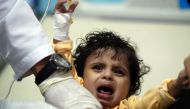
114 54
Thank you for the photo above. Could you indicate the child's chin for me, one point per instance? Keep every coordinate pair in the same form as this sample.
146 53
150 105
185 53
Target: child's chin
106 104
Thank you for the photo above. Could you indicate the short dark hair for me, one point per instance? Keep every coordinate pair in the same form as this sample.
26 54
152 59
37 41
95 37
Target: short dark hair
110 40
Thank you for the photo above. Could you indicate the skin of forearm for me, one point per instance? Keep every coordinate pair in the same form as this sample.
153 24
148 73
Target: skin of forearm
38 66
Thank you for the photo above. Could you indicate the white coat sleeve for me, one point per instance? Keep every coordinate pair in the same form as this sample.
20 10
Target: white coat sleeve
22 41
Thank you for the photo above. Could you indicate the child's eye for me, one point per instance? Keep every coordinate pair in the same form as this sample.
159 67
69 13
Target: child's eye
119 72
97 67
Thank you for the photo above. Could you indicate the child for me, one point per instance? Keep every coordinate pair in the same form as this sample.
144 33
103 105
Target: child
110 69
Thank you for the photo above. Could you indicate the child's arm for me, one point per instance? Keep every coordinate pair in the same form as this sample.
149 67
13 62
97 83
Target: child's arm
182 82
62 22
62 19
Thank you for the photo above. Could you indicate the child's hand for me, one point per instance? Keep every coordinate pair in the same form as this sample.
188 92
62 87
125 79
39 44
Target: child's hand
183 80
187 68
61 6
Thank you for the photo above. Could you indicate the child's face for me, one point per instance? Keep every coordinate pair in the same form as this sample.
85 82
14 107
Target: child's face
107 78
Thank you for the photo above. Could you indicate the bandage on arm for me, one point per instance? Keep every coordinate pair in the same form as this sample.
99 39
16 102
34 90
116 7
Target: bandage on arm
62 22
61 25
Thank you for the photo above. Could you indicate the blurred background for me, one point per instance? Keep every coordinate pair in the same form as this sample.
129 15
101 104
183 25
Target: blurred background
159 28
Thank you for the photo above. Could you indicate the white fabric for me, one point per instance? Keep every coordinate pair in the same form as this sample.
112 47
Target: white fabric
12 104
62 22
22 41
54 78
61 90
68 94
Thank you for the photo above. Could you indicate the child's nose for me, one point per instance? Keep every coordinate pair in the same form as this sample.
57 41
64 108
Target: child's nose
108 75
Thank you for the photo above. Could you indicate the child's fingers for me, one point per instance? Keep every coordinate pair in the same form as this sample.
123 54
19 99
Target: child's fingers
60 7
73 5
60 3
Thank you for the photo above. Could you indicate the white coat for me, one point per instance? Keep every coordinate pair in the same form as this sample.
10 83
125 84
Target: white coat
22 41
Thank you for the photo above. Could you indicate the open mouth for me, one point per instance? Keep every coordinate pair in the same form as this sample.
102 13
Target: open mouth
105 90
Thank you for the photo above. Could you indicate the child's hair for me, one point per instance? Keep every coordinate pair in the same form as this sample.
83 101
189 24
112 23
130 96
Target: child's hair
108 40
